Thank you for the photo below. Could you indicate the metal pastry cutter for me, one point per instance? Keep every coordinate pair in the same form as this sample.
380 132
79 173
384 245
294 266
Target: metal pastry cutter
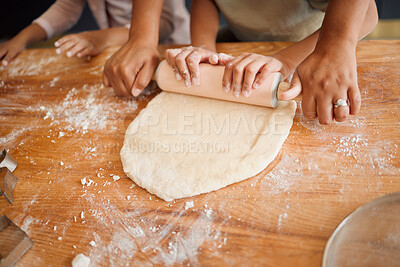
7 161
7 179
14 242
7 183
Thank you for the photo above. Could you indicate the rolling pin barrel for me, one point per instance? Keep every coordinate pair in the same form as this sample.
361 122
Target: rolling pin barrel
211 86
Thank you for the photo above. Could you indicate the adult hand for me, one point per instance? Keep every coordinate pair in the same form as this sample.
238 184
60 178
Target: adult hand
130 69
326 76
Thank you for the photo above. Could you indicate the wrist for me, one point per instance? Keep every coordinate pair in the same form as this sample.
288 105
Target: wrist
327 46
30 35
113 36
138 43
143 37
288 64
204 41
337 35
206 45
20 40
133 41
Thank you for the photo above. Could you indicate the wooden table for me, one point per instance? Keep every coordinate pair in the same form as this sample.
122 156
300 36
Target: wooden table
62 125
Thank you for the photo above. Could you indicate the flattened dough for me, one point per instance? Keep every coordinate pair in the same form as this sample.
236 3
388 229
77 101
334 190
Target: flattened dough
181 146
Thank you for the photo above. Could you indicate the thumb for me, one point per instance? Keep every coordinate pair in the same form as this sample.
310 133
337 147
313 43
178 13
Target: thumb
213 59
293 90
224 58
143 77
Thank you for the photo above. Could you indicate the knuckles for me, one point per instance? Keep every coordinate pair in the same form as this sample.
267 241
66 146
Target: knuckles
180 58
324 85
114 68
309 115
193 59
325 121
250 69
125 72
141 83
229 66
267 69
341 117
357 99
246 85
237 69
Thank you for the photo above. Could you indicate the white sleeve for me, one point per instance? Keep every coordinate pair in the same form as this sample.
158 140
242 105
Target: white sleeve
61 16
167 20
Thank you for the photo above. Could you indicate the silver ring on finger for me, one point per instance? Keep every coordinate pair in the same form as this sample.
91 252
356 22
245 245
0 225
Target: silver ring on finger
341 103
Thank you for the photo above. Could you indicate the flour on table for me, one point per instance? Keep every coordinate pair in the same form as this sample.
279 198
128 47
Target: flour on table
189 205
180 146
80 260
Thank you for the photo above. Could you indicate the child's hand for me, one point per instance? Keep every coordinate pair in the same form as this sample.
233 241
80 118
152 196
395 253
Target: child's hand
248 71
185 62
81 44
326 76
10 49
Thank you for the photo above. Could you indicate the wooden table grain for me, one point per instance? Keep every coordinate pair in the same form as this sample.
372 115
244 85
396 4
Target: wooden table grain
62 125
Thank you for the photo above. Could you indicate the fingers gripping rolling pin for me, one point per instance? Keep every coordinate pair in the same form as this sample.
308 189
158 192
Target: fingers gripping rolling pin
211 86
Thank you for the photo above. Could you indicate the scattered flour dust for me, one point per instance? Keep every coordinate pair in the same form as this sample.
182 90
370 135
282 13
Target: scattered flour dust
80 260
30 66
116 177
189 205
349 145
12 136
54 81
152 240
27 223
282 217
90 107
281 178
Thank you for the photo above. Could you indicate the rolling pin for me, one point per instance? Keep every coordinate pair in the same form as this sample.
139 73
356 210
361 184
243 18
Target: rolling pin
211 85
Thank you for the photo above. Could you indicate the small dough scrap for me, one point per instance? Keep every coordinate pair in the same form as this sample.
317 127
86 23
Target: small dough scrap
180 145
81 260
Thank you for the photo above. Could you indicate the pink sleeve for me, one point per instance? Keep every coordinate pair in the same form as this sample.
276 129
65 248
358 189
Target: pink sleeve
61 16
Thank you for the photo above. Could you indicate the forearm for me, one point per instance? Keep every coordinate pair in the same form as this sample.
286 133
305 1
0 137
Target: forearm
204 24
31 34
296 53
60 16
370 20
114 36
145 21
346 22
